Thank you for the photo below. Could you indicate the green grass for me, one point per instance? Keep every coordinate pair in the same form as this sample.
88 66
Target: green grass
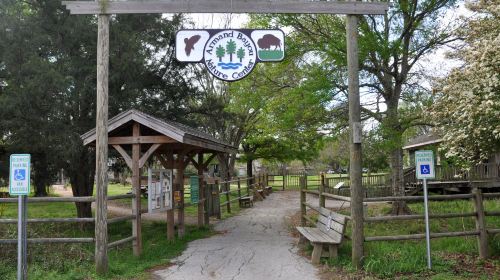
453 258
75 261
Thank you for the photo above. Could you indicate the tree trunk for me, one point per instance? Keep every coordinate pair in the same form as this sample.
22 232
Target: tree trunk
40 175
397 183
250 169
82 181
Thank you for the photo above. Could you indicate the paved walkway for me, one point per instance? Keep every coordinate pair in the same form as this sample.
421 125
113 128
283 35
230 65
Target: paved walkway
255 245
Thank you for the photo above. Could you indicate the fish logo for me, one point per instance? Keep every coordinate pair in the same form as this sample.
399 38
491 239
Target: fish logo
190 43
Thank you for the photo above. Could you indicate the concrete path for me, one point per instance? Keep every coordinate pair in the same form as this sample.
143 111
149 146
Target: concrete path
255 245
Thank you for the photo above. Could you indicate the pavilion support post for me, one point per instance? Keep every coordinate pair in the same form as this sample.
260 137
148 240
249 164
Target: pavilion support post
101 224
355 141
171 212
136 186
180 188
201 191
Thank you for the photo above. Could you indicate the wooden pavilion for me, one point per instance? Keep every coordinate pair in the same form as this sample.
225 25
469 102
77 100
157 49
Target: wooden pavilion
138 137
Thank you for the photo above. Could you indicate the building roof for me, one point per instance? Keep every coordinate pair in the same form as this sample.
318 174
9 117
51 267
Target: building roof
179 132
422 140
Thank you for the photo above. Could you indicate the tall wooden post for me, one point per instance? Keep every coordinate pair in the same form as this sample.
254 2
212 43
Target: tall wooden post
101 224
201 191
303 211
239 189
217 193
228 195
355 141
482 238
180 188
171 212
321 190
136 187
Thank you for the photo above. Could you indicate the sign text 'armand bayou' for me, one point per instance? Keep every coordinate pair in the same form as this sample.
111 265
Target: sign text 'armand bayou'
230 55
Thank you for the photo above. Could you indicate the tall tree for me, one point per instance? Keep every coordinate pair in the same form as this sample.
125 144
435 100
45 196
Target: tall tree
468 107
390 48
51 72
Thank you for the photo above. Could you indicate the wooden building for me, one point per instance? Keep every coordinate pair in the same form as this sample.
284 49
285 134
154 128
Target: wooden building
139 138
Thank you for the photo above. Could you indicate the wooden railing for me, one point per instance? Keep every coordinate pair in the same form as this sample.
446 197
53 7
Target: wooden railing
481 231
89 199
226 196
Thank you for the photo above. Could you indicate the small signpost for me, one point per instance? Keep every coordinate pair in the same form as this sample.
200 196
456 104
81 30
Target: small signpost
195 189
19 184
424 165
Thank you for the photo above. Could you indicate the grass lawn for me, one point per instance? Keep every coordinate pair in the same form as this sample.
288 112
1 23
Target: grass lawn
453 258
75 261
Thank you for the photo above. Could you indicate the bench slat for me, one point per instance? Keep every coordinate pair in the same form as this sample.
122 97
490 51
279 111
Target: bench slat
339 218
316 236
334 226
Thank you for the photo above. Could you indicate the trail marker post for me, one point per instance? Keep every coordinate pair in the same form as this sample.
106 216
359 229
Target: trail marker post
19 184
424 163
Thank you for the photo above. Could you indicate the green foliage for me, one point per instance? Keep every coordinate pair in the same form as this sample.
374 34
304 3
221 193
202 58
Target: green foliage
390 47
47 68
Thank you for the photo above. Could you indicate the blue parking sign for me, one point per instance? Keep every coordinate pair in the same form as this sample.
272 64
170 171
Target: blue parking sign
19 179
424 162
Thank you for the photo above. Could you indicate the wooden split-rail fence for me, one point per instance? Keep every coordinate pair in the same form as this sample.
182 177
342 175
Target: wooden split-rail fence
223 195
476 197
88 199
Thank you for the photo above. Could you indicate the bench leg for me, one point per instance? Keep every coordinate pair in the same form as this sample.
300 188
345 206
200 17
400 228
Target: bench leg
316 254
302 240
332 249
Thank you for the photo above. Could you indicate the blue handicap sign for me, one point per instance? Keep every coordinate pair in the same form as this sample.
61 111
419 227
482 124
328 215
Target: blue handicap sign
19 174
425 169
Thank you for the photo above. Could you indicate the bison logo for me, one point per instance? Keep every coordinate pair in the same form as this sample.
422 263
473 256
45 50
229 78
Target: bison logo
269 41
270 48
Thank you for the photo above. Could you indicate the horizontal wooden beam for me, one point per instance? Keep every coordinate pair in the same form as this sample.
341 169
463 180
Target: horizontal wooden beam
160 139
227 6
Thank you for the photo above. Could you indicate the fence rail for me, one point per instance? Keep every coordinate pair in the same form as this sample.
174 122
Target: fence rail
223 189
64 220
476 197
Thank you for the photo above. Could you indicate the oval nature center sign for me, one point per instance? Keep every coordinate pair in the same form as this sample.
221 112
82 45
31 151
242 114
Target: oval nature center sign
230 55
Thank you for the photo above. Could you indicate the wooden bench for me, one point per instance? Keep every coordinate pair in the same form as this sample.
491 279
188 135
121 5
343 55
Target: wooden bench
329 232
268 189
246 201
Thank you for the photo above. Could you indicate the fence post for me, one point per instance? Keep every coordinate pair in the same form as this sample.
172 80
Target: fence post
321 190
208 198
482 238
239 189
217 191
201 201
284 179
228 196
302 202
248 186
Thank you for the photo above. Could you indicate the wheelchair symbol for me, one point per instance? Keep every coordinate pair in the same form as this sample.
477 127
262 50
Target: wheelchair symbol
425 169
19 174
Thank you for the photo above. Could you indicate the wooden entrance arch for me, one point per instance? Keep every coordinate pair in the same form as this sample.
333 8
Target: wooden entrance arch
103 8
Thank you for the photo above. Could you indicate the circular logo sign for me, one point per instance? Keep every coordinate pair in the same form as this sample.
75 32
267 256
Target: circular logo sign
230 55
